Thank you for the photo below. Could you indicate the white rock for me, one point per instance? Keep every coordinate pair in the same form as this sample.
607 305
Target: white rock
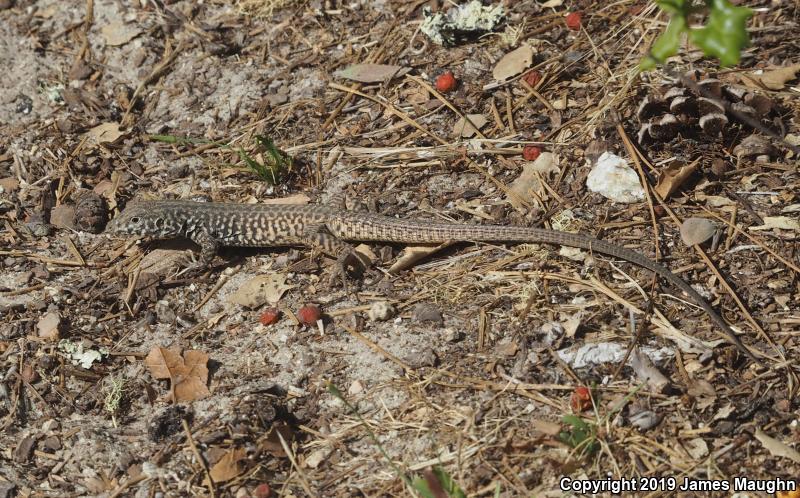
612 178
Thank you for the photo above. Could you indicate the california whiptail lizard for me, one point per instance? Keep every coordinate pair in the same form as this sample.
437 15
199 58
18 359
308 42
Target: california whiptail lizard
212 225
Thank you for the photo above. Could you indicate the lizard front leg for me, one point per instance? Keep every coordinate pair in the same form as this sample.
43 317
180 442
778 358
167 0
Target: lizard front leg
208 247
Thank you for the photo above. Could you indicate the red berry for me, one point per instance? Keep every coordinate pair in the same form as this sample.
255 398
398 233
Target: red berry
309 314
581 399
531 152
262 491
446 81
269 316
574 20
532 78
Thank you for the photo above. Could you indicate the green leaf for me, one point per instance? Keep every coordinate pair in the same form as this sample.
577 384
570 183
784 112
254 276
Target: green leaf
675 7
450 486
445 483
725 34
667 44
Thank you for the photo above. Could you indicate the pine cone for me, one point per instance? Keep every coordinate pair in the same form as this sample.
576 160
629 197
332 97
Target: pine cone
679 110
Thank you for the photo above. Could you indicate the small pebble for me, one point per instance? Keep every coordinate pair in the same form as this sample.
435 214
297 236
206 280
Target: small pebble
426 312
357 387
380 311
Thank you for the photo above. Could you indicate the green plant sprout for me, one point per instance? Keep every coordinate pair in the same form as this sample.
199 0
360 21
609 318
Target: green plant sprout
274 168
723 36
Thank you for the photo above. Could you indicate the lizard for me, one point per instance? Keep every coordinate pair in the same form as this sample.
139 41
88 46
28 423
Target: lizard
212 225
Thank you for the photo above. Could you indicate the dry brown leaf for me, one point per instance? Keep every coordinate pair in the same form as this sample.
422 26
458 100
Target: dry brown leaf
647 371
513 63
188 375
673 176
271 443
528 181
371 73
468 127
697 230
104 133
546 427
260 290
412 254
229 466
773 79
777 448
296 199
119 33
780 222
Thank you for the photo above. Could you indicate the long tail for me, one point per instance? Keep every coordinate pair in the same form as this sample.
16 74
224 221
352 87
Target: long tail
371 227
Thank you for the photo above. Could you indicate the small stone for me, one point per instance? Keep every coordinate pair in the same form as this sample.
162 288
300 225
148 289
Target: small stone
48 326
7 489
164 312
380 311
51 444
452 335
426 312
645 420
91 213
24 450
423 358
719 167
39 228
178 171
357 387
51 425
242 492
63 216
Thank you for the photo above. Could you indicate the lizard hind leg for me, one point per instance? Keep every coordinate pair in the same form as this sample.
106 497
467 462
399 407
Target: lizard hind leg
319 238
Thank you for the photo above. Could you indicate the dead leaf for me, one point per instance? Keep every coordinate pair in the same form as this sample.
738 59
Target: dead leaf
188 375
780 222
724 412
754 145
104 133
715 201
673 176
296 199
260 290
697 230
229 466
528 182
467 128
777 448
773 79
546 427
119 33
9 184
513 63
271 443
647 371
162 261
316 457
371 73
412 254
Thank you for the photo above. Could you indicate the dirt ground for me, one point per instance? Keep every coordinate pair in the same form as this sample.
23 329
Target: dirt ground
506 368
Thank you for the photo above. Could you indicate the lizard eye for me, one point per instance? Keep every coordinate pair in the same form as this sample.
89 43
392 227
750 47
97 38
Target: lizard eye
160 222
135 220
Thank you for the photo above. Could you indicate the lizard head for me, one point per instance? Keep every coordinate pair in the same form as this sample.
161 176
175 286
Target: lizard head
144 219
